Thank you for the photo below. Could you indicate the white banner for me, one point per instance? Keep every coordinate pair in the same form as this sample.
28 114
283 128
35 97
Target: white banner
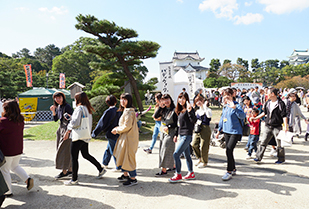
166 76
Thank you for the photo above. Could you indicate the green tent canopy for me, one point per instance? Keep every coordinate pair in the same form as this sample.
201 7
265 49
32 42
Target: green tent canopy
45 97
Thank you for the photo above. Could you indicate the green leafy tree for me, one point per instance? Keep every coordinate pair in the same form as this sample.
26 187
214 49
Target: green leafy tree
217 82
226 61
243 63
284 63
47 54
116 47
255 64
214 65
24 53
74 62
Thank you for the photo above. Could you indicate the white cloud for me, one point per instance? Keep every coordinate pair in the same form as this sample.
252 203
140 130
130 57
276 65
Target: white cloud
22 9
284 6
247 4
55 10
52 17
248 19
180 1
221 8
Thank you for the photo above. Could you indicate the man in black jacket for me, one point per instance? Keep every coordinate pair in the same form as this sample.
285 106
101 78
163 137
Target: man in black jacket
275 112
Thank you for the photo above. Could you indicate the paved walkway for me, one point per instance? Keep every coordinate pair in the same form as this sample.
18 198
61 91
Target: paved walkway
264 185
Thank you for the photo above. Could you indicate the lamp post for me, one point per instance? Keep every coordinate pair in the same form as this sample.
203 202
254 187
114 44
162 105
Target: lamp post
46 80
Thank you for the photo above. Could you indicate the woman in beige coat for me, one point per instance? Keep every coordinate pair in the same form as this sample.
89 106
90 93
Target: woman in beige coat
127 144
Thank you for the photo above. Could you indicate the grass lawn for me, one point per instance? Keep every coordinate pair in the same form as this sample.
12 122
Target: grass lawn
47 131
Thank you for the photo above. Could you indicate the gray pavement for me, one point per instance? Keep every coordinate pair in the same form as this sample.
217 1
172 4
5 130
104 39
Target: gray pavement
264 185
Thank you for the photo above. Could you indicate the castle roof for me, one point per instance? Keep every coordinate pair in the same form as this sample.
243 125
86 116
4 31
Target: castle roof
187 55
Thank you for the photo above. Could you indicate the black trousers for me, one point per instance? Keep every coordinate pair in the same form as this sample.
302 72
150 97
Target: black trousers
82 146
231 141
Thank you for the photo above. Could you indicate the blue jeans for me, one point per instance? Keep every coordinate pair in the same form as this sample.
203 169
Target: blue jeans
252 140
184 142
131 173
156 131
109 152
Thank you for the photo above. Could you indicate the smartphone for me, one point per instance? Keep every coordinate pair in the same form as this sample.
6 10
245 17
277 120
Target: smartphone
67 116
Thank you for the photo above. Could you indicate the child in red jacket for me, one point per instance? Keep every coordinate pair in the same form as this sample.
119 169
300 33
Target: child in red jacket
254 132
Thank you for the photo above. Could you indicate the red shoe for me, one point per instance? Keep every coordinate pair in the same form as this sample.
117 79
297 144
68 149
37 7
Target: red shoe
175 178
189 176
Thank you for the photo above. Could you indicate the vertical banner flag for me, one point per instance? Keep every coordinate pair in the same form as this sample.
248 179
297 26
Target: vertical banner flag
62 81
167 78
28 73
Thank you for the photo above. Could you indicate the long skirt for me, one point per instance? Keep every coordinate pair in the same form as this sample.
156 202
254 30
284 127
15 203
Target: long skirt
166 150
63 156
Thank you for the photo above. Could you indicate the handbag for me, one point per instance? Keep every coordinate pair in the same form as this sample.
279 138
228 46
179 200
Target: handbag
197 127
82 131
2 159
245 128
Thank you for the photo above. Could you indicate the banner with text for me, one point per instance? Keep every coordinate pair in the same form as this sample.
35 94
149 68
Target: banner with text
246 85
62 81
28 73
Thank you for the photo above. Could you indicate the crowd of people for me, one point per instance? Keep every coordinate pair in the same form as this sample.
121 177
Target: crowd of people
185 122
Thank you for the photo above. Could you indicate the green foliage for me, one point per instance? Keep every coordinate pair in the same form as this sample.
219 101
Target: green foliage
99 105
24 53
214 65
74 62
217 82
47 54
102 81
116 48
243 63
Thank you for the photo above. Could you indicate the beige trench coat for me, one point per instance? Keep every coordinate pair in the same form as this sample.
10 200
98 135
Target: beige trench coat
127 143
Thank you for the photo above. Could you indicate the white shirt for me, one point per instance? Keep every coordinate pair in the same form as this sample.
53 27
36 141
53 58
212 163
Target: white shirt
272 105
204 110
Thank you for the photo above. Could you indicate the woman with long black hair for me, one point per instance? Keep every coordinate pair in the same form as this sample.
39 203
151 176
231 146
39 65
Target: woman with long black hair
63 156
166 112
186 121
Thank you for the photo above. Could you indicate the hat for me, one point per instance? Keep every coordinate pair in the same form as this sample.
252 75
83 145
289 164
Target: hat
292 91
255 100
57 93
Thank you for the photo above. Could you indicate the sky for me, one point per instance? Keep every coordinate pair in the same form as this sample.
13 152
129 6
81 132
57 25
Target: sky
223 29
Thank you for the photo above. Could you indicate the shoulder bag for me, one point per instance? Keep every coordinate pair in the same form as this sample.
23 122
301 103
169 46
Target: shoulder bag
82 131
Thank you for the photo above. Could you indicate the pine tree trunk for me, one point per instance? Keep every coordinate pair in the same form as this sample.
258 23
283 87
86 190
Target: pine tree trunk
134 86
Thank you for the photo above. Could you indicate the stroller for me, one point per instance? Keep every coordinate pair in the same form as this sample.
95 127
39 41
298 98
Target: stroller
217 142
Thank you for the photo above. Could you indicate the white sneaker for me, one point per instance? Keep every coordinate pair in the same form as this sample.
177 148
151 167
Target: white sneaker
248 157
227 176
273 153
70 183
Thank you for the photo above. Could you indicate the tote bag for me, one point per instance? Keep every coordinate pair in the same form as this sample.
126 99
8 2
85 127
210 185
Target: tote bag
83 131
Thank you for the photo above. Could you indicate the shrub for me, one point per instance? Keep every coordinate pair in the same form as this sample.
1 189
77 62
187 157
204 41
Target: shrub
98 103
